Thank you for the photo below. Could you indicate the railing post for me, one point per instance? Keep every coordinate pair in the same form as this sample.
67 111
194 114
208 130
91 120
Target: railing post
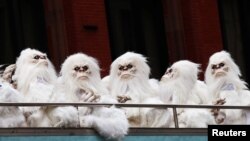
175 118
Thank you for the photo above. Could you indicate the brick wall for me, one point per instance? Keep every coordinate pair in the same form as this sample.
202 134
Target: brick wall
202 29
93 41
193 30
194 33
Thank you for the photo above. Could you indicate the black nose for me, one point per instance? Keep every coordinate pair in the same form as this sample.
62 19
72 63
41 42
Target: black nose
218 66
84 68
124 68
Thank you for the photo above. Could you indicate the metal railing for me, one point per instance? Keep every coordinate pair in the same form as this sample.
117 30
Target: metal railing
148 130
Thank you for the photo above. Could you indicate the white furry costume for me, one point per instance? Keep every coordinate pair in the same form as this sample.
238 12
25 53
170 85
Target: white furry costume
129 83
7 74
179 85
223 79
80 81
10 116
35 77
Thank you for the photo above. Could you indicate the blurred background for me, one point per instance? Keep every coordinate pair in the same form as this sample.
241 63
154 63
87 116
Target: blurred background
164 31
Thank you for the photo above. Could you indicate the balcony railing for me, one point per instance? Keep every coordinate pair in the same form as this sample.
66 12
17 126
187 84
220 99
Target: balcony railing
77 131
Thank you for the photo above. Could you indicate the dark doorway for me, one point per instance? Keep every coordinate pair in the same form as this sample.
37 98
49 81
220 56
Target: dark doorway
138 25
22 25
235 23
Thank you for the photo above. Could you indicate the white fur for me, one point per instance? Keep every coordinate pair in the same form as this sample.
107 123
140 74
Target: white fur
195 118
232 76
238 94
105 82
39 118
35 80
155 117
104 119
138 88
182 80
63 116
139 85
109 122
10 116
154 84
200 94
179 85
8 73
28 72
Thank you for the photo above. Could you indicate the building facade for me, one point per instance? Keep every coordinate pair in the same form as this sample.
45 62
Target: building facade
165 31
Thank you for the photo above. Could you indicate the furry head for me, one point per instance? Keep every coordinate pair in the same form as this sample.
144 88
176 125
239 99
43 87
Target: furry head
180 85
221 64
130 65
81 72
80 68
182 70
33 65
129 75
2 68
8 73
180 79
222 69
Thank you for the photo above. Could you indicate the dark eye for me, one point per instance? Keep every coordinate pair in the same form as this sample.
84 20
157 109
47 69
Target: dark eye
0 85
121 68
85 68
221 65
43 57
170 71
77 68
36 57
213 67
129 66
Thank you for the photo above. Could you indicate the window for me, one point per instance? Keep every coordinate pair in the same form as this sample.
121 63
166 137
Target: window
138 26
235 23
22 25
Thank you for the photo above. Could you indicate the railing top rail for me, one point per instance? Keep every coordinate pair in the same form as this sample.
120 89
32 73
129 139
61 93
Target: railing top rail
126 105
143 131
